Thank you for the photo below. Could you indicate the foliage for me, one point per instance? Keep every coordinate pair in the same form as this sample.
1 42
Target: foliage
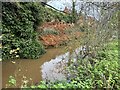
32 49
50 14
12 81
74 13
18 22
101 71
91 73
48 31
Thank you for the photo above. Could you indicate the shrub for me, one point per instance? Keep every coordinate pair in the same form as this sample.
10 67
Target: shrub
18 30
19 22
31 49
94 74
102 72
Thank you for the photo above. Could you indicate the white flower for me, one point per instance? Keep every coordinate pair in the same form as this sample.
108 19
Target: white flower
15 52
0 59
18 48
25 81
17 55
11 51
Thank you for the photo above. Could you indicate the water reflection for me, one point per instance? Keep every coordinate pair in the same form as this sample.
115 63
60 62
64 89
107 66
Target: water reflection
55 68
40 69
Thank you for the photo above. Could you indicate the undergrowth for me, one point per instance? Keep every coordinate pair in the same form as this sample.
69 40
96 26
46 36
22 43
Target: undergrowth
95 73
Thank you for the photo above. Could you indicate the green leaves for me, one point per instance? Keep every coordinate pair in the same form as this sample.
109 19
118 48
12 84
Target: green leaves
103 73
20 21
19 31
31 49
12 81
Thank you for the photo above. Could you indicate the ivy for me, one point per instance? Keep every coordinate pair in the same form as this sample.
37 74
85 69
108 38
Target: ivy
18 30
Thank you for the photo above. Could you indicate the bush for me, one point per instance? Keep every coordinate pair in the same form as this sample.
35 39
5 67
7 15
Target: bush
101 72
48 14
95 73
19 23
31 49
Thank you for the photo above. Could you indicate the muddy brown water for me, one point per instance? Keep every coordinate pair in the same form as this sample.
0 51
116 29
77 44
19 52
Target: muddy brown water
0 75
29 68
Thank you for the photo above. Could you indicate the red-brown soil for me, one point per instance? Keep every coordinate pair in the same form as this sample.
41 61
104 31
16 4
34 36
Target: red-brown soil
55 40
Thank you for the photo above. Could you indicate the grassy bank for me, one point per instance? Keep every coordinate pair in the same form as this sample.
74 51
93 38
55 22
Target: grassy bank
97 73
